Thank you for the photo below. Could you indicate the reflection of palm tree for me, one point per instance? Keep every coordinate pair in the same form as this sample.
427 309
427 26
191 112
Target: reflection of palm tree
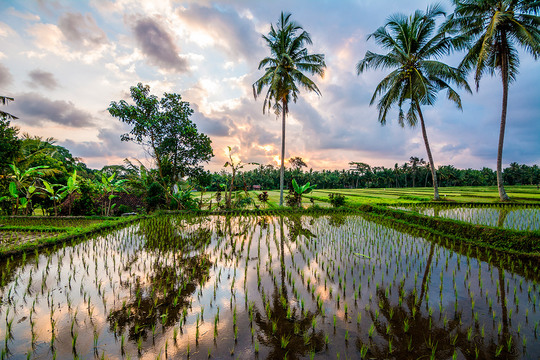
277 327
503 213
415 335
277 324
412 334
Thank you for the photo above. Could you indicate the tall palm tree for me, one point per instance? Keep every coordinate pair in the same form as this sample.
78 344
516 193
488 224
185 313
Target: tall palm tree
416 77
495 28
284 70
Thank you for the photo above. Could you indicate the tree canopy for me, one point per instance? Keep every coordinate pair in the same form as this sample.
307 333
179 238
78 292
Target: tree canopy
163 127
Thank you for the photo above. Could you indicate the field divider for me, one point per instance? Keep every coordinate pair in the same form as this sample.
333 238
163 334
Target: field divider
68 234
521 243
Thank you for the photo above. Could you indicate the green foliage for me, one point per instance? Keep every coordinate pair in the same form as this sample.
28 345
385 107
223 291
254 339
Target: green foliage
183 199
155 196
84 204
336 199
295 194
10 144
163 127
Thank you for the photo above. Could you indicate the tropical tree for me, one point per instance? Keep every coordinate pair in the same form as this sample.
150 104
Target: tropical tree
416 76
414 162
4 115
284 72
163 127
494 29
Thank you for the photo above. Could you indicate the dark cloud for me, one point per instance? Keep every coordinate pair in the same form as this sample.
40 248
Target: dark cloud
235 34
158 45
43 78
34 109
81 30
212 126
5 76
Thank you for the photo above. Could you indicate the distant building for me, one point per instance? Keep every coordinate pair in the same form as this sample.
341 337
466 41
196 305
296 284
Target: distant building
256 187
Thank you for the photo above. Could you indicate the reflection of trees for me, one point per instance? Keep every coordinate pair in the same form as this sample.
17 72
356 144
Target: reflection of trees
179 266
275 324
415 342
337 219
426 336
277 327
294 224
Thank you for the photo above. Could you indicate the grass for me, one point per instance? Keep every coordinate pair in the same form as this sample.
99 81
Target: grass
392 196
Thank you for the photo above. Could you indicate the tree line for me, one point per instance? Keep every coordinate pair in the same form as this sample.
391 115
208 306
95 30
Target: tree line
413 173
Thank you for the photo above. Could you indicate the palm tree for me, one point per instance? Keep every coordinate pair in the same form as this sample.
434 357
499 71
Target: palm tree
494 28
416 75
4 115
284 70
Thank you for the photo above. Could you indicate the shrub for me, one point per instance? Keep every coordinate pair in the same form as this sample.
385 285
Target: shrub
155 196
336 200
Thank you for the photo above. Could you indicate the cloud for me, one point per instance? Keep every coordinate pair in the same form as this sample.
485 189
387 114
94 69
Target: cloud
23 15
34 109
226 29
5 76
158 45
212 126
81 31
43 78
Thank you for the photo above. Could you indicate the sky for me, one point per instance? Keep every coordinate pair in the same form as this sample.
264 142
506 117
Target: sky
65 61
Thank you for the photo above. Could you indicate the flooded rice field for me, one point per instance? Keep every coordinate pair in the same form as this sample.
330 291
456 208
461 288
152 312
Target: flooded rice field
516 218
268 287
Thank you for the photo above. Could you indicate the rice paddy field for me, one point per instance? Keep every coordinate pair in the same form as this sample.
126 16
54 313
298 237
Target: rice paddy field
28 231
515 217
474 194
268 287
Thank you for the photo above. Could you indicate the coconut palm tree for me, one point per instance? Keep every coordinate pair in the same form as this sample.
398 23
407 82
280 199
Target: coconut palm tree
4 115
284 73
494 29
416 77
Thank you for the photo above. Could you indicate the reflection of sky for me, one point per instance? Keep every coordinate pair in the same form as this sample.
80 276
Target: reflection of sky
209 53
396 258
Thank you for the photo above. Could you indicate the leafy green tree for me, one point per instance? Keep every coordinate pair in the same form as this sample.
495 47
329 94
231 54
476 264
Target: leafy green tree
284 72
494 30
10 144
416 76
163 127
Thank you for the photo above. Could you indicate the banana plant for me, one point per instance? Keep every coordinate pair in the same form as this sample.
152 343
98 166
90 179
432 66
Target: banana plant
54 192
23 186
301 190
109 186
71 187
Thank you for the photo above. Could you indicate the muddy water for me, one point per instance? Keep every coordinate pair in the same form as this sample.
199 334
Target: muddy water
268 288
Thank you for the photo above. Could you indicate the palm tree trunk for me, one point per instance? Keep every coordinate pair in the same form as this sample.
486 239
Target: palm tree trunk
282 170
428 150
504 70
